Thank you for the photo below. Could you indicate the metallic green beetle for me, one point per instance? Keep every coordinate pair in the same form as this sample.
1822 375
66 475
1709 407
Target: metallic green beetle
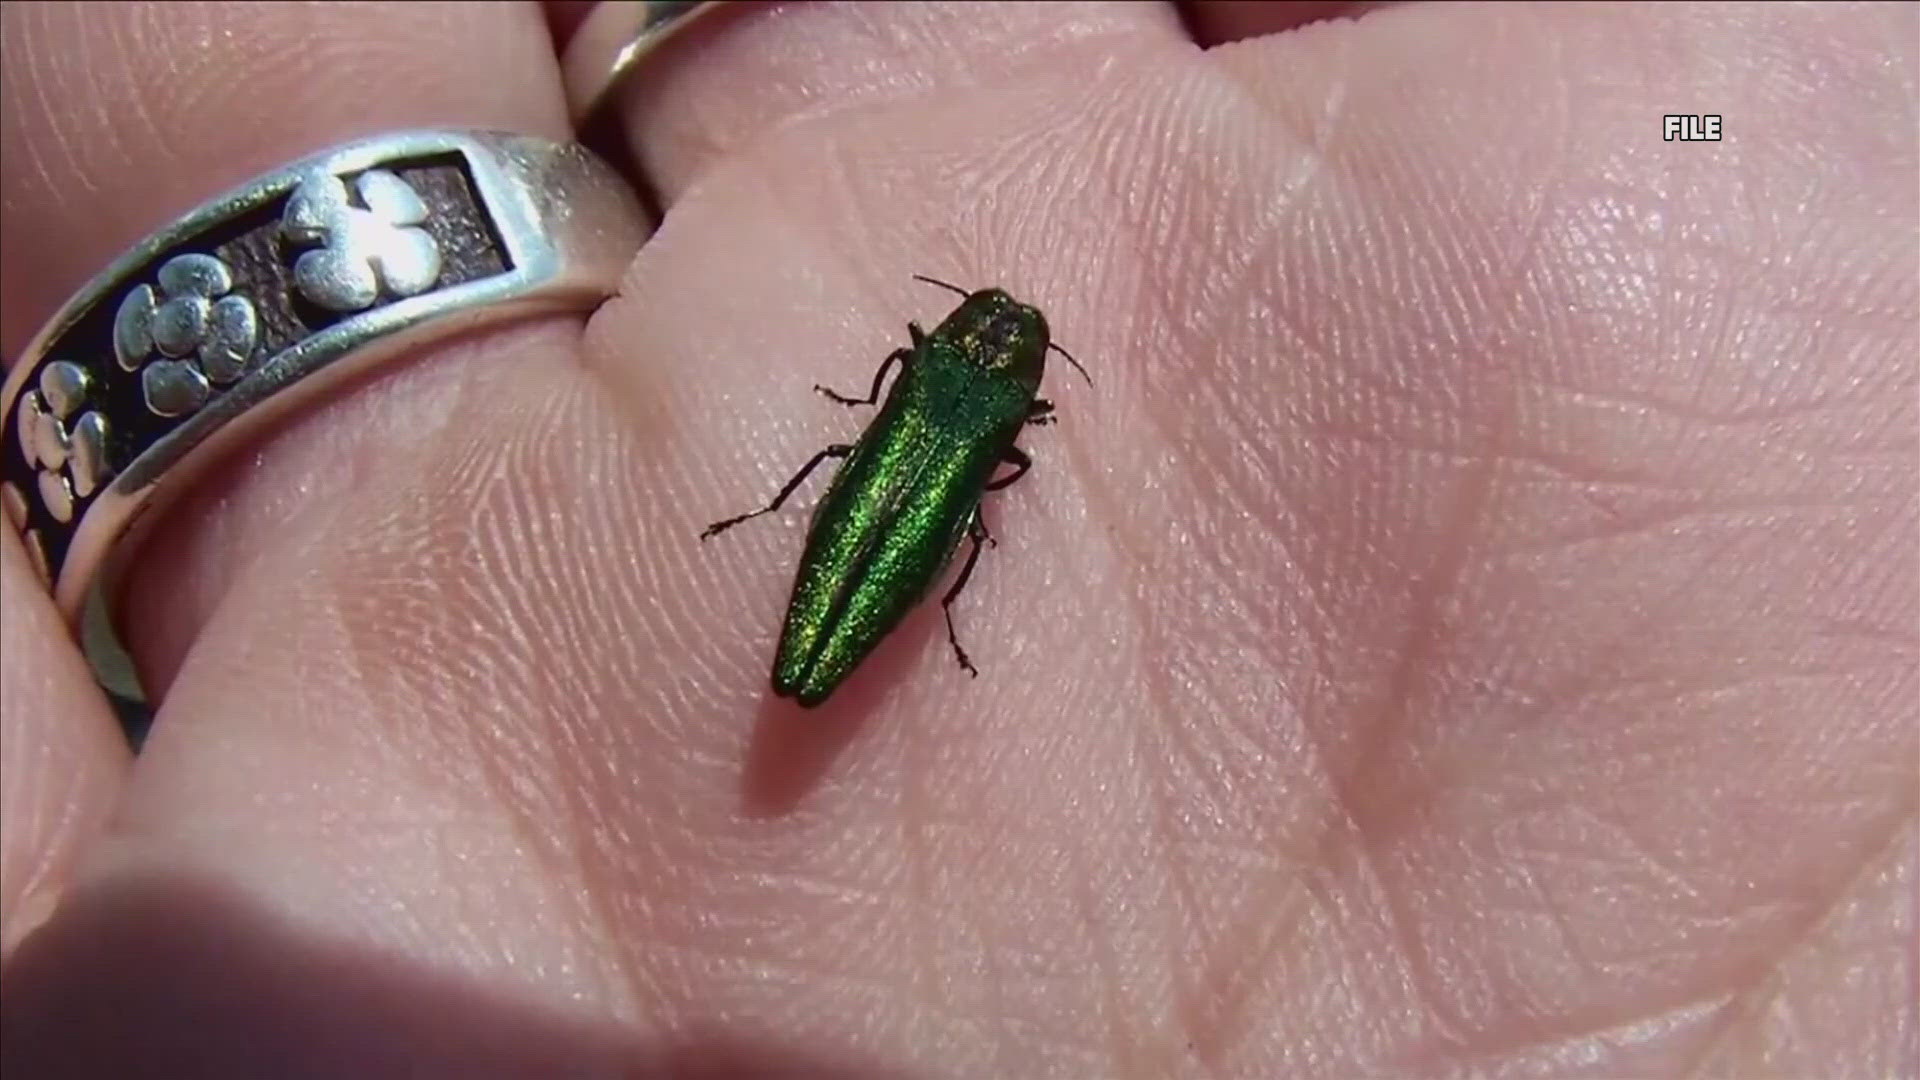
910 489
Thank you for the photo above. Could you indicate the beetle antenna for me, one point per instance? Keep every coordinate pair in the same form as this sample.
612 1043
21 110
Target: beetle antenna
1071 360
942 284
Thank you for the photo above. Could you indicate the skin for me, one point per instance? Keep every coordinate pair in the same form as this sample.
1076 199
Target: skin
1468 629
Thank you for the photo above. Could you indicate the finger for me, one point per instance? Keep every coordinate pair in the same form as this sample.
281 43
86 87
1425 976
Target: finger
184 100
62 756
194 97
276 773
766 65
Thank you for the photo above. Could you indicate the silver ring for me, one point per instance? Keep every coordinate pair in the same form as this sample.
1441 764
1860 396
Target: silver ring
223 321
613 39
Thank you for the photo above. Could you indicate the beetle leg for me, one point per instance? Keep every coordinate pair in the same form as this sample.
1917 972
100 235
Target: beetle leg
1020 462
1041 412
837 450
897 356
976 532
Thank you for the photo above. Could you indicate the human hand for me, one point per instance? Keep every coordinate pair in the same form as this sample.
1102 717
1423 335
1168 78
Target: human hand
1467 629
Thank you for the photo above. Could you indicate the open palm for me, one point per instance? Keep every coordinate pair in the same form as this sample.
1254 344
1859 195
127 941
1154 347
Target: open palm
1467 628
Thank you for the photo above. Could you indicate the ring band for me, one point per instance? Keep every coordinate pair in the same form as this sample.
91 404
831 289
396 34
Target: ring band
613 39
261 299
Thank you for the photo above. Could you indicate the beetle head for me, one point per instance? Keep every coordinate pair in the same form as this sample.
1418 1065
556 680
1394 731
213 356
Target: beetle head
998 333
